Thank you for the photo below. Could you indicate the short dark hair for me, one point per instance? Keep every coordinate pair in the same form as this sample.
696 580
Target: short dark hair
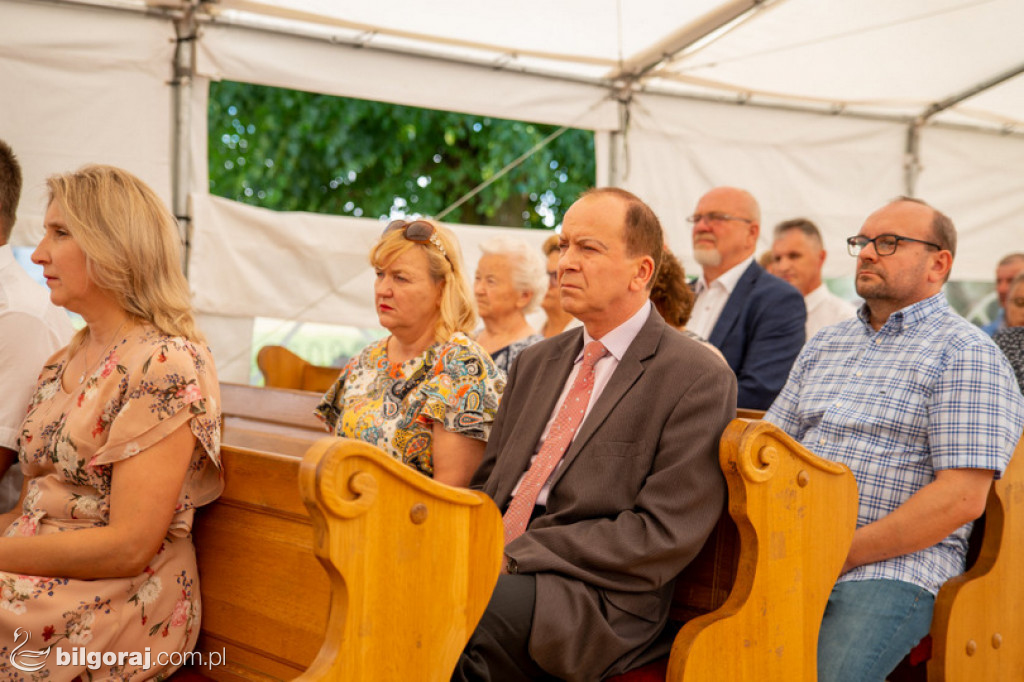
943 231
670 294
809 229
1010 258
644 236
10 190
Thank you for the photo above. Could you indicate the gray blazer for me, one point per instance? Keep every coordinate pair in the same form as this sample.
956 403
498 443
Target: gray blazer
637 494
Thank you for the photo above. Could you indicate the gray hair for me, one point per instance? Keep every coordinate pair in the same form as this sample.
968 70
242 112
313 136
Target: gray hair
529 271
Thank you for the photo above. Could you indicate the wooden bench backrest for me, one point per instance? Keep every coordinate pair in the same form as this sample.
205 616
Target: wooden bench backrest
412 564
978 623
265 595
270 419
282 368
795 514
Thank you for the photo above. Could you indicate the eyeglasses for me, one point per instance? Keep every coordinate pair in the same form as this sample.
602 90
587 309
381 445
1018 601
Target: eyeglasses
885 244
714 218
419 231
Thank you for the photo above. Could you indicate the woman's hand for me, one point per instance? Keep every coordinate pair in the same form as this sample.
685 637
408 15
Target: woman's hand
456 457
143 497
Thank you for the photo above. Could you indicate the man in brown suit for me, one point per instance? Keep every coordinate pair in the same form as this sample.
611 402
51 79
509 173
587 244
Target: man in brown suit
636 490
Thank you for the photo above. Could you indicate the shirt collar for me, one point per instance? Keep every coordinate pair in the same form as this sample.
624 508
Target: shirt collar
905 319
729 278
617 341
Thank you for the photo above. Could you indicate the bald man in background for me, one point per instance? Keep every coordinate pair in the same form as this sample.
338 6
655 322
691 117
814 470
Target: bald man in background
755 319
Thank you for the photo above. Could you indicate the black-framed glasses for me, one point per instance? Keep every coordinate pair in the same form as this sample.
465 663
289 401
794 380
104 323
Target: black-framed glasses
885 244
714 218
419 231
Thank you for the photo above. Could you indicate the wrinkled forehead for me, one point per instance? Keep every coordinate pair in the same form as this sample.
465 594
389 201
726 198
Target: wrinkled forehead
600 216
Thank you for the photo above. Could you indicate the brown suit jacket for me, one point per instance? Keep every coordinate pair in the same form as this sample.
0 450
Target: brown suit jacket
637 493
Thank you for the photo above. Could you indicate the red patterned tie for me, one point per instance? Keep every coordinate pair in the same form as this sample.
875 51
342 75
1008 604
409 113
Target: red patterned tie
570 414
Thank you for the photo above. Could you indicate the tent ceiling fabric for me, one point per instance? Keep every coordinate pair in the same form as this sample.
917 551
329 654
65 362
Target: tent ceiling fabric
873 57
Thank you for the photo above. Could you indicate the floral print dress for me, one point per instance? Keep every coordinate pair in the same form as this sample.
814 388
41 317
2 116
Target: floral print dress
146 386
395 406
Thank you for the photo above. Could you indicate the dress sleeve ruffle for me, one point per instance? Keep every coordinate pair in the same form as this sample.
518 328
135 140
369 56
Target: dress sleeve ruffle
463 390
175 384
329 409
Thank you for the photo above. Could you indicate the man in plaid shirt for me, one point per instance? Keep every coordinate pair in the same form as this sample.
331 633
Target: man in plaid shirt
925 411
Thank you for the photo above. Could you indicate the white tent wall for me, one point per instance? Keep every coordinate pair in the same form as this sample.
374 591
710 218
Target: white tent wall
830 169
83 85
977 179
86 84
316 65
249 262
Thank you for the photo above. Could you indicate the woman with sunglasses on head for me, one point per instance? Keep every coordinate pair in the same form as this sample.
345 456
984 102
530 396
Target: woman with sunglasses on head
510 282
119 446
427 394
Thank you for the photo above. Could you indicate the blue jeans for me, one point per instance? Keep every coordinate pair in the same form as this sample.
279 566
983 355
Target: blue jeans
869 626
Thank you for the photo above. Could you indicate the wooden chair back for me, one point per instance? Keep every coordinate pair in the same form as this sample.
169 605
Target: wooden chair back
795 514
412 564
978 627
282 368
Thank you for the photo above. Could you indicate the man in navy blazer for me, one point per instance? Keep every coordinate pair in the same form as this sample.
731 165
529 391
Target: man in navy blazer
757 320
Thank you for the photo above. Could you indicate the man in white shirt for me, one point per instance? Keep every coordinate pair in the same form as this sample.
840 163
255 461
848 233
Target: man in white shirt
798 255
31 329
755 319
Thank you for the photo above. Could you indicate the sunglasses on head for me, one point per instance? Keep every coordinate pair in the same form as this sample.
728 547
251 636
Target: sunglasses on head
418 231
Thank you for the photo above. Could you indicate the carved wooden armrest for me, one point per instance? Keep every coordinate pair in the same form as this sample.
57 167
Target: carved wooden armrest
412 563
978 624
796 514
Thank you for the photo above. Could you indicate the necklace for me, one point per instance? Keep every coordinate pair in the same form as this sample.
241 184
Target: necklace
85 355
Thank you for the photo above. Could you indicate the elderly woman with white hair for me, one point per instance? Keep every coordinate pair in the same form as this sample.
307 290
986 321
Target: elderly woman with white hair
510 283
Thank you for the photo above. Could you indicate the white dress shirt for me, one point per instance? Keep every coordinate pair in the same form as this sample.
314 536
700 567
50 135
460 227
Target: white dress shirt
825 308
31 330
711 299
617 342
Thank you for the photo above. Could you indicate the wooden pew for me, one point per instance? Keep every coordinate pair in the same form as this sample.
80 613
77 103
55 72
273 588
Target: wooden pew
770 498
282 368
412 564
270 419
978 625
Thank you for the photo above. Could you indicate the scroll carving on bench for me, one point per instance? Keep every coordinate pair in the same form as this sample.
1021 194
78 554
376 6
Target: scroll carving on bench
412 563
978 624
796 514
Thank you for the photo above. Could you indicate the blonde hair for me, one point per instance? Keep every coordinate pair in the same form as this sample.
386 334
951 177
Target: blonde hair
456 310
529 271
131 245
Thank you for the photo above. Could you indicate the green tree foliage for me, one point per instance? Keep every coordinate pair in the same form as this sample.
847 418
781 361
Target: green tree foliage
297 151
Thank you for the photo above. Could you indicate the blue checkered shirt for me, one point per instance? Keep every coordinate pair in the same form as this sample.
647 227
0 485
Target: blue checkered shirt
927 391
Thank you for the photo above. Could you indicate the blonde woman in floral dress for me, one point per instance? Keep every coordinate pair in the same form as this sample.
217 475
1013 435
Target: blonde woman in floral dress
119 447
427 394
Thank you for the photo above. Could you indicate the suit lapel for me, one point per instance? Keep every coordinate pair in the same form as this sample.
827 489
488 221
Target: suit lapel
733 307
629 371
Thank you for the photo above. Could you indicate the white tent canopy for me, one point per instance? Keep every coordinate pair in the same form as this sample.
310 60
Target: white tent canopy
821 108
